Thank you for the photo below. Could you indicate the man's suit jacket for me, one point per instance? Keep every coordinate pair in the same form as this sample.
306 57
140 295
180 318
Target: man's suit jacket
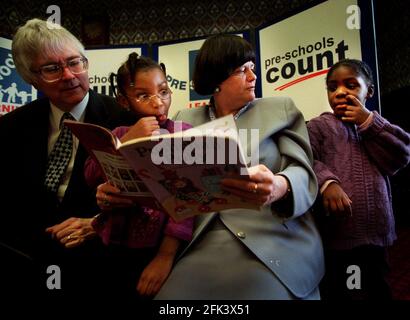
26 208
284 238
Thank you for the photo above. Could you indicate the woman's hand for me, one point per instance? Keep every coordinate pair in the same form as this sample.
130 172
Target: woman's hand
73 231
336 201
262 187
144 127
108 198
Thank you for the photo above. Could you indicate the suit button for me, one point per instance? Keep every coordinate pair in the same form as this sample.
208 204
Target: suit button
241 234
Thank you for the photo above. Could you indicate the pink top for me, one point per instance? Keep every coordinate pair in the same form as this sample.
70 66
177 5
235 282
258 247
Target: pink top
135 227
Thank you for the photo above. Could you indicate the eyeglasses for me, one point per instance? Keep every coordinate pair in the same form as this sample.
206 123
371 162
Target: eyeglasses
243 70
164 94
54 72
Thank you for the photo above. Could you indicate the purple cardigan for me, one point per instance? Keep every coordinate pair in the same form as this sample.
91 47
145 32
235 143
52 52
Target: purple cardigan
361 161
140 228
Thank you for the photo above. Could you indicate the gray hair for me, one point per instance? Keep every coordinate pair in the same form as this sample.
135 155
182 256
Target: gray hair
38 37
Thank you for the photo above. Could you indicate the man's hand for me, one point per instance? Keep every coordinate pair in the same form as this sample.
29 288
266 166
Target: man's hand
73 231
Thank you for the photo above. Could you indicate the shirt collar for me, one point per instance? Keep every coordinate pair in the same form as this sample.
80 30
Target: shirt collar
212 110
78 112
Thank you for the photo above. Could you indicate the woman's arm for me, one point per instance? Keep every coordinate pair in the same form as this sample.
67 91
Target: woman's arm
296 163
294 182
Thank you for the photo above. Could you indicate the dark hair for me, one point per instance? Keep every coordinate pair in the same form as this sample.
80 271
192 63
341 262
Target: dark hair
126 72
218 57
359 67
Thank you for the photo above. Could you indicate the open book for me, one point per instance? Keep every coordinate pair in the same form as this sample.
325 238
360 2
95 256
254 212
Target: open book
179 172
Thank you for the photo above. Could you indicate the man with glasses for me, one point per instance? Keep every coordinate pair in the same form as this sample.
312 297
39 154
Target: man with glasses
46 207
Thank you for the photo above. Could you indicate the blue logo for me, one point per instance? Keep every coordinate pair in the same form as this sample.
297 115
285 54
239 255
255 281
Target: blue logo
14 91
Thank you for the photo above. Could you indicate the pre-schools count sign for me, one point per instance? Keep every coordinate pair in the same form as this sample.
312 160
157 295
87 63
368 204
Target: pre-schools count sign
296 53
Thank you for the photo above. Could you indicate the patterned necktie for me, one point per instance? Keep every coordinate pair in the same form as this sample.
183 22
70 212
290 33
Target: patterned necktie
59 156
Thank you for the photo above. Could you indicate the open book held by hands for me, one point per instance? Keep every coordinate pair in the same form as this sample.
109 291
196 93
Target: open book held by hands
179 172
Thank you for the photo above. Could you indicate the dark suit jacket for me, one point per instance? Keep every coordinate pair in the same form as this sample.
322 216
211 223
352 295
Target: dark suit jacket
26 208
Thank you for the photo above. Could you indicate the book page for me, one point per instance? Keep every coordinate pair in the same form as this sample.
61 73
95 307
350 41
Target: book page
101 144
184 171
121 175
224 126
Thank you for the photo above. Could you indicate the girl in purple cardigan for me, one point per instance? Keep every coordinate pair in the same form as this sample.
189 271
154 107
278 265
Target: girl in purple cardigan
355 151
149 239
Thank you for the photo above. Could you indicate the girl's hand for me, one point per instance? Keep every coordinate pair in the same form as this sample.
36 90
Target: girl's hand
262 187
144 127
336 201
354 111
155 274
108 198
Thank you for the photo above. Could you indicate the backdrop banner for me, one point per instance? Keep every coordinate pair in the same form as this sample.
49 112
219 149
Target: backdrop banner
104 61
179 60
297 52
14 91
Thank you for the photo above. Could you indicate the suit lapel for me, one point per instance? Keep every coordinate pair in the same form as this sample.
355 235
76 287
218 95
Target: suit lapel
38 146
95 111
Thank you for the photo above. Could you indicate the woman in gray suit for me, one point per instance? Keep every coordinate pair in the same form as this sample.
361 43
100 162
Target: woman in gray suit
272 253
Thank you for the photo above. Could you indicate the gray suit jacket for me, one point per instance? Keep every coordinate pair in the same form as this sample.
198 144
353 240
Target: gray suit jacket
284 238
